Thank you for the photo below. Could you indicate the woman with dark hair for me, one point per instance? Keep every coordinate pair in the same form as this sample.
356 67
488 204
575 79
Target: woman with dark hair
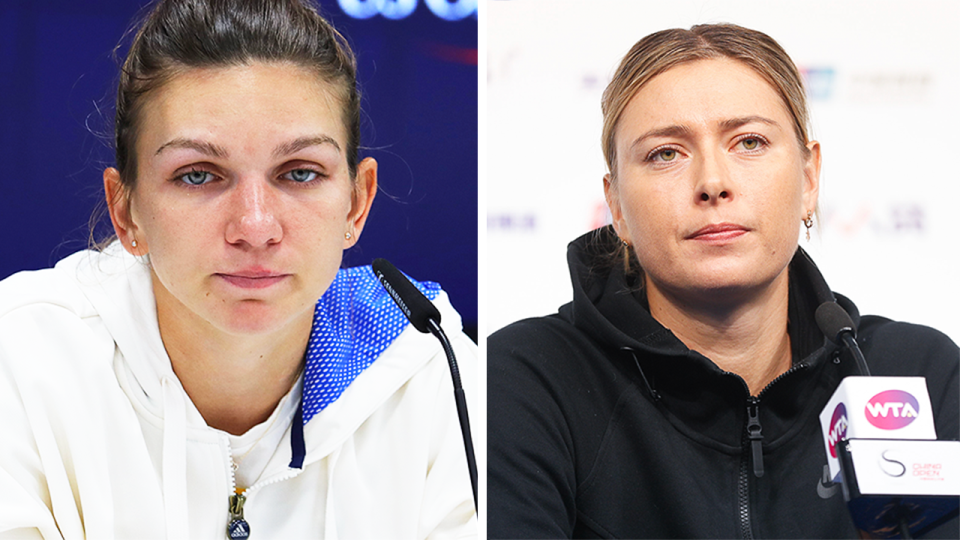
185 380
677 395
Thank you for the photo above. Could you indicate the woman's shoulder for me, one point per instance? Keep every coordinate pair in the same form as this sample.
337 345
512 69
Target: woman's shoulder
902 343
549 351
548 333
51 309
76 282
50 289
903 349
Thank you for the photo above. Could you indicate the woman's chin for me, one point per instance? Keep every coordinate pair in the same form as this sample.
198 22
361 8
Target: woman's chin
251 317
724 282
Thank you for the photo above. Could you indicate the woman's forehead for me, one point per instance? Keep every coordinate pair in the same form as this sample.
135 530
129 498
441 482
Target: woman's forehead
712 93
240 105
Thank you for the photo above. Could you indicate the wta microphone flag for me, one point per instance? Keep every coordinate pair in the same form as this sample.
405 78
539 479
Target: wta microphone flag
876 408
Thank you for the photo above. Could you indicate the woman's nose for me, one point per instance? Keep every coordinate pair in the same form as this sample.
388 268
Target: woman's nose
254 216
713 181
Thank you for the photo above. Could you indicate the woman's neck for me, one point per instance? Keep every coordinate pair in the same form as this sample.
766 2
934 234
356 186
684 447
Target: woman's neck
746 335
234 381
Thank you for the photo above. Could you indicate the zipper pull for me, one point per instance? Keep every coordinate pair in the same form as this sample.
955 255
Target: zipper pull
238 528
754 433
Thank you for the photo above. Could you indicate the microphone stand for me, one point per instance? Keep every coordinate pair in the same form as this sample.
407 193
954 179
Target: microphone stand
461 405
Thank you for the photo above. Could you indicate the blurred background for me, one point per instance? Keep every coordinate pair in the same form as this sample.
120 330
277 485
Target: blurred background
883 79
417 68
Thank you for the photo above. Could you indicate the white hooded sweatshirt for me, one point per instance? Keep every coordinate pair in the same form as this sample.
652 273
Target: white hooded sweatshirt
99 439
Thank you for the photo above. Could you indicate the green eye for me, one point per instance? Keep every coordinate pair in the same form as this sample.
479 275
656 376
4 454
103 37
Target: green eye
751 143
668 154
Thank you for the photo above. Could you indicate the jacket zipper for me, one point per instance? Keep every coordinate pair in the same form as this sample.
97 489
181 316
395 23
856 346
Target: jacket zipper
754 436
743 496
237 526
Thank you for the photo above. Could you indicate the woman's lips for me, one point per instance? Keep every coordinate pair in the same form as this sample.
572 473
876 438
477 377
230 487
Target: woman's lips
253 279
718 233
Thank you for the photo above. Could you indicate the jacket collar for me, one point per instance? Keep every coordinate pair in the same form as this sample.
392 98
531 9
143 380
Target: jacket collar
701 400
355 322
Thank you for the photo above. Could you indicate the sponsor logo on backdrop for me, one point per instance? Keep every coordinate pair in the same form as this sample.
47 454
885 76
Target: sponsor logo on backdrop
892 409
819 82
891 86
601 215
822 84
451 10
511 222
898 219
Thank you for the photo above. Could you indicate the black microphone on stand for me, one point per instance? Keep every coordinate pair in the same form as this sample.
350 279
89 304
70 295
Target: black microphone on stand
881 445
425 317
836 324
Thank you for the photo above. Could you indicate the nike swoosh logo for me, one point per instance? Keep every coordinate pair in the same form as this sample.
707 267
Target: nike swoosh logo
825 487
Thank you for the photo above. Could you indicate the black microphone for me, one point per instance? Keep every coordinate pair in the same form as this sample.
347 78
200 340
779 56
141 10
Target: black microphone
837 325
834 320
425 317
417 308
881 445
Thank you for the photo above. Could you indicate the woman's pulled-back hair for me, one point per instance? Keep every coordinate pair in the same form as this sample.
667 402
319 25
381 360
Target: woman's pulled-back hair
179 35
663 50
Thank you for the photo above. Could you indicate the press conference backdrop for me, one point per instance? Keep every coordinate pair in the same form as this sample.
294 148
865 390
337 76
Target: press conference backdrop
417 63
883 79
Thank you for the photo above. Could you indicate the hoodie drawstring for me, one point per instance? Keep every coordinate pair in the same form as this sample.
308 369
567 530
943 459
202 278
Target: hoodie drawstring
329 518
174 459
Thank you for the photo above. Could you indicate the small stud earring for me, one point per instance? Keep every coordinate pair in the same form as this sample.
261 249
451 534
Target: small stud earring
347 235
133 243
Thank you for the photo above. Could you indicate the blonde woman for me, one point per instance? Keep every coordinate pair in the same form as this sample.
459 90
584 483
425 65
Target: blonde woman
677 395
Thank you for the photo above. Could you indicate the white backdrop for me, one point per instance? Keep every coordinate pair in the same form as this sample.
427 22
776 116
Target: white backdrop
883 80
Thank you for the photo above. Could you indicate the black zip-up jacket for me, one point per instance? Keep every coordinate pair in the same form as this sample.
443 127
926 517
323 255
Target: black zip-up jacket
602 424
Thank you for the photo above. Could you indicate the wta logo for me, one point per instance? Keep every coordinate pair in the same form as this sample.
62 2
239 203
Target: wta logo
838 428
892 409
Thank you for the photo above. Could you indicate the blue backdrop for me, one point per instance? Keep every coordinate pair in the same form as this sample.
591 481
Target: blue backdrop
418 76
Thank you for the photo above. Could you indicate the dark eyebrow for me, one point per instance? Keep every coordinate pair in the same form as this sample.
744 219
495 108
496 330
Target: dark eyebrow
296 145
203 147
683 131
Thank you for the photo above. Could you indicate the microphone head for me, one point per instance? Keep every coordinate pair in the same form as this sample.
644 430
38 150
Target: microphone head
418 309
833 320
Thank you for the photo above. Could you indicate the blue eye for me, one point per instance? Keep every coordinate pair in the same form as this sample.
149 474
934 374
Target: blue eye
196 178
301 176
